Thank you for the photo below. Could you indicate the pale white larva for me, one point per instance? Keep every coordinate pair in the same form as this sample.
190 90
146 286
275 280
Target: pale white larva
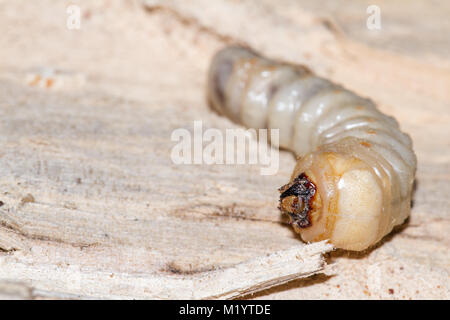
353 181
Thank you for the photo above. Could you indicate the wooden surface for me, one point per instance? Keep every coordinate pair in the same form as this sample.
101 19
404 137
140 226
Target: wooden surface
93 205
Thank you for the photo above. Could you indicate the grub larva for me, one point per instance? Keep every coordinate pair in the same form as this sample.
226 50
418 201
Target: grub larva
353 181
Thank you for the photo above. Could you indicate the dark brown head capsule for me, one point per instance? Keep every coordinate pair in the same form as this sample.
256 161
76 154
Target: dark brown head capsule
296 200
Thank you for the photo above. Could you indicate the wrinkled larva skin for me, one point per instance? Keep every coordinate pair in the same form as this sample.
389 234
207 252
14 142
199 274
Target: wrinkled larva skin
353 181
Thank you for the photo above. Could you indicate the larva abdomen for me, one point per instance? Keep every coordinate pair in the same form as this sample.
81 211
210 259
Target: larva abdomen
353 182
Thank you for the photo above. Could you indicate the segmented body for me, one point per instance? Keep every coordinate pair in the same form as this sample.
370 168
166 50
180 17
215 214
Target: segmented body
356 157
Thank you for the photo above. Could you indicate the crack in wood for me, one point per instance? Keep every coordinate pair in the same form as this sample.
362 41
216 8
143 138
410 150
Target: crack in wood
26 235
217 212
4 250
176 269
192 22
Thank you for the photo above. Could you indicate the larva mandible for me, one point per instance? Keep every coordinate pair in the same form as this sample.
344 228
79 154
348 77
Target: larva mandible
353 181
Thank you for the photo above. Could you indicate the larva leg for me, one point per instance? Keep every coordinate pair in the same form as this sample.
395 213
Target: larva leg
354 179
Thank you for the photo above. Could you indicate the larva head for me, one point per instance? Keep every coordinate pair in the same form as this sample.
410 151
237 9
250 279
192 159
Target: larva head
296 200
334 197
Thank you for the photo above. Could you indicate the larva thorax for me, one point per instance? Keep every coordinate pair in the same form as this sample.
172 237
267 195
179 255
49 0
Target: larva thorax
352 183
